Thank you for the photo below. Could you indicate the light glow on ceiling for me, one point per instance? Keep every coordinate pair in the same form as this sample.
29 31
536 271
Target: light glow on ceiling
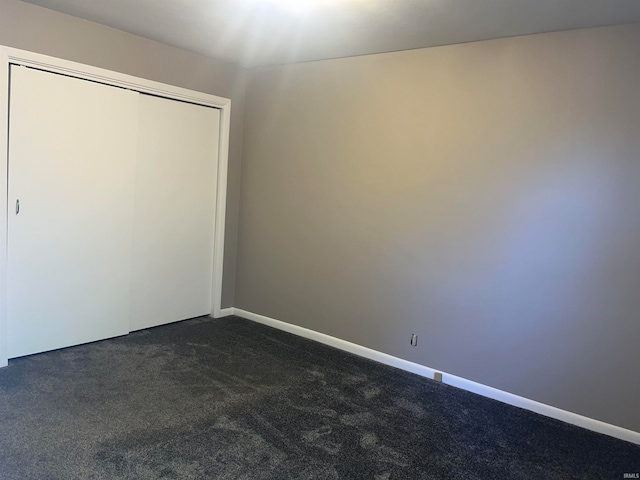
295 7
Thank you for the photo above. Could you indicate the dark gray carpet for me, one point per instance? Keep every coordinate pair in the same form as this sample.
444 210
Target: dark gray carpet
230 399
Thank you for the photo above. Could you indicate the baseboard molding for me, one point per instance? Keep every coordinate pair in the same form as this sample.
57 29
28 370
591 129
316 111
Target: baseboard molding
453 380
225 312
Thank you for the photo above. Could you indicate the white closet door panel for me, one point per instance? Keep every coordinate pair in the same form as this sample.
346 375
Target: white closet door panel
72 156
174 212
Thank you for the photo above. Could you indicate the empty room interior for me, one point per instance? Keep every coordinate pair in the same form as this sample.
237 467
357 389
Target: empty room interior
320 239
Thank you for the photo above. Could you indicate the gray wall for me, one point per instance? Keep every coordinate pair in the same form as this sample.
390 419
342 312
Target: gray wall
44 31
485 196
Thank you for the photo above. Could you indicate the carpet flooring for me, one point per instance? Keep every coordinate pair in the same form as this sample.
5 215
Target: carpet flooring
231 399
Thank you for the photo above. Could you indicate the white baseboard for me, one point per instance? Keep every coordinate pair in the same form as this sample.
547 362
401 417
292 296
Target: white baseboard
459 382
225 312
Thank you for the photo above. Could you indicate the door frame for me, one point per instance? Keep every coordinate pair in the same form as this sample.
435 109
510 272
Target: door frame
16 56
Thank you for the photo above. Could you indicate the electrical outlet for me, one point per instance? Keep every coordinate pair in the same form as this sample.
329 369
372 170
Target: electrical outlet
414 340
437 376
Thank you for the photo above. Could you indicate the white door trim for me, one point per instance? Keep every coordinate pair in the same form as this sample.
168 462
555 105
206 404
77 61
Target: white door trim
10 55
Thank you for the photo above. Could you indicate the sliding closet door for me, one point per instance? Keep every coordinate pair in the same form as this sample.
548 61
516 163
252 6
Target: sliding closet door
72 147
174 212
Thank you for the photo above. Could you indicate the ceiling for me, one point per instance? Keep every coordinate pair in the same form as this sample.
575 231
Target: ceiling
261 32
